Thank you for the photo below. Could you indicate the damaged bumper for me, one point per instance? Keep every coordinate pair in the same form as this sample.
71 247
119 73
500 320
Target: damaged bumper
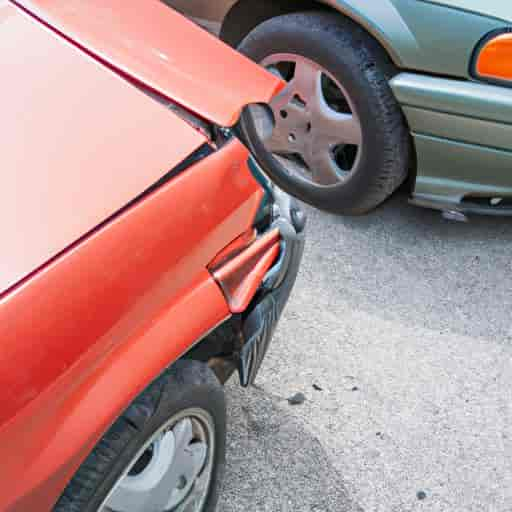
256 282
261 318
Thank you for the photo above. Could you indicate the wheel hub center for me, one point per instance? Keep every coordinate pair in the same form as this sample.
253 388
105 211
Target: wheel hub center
293 125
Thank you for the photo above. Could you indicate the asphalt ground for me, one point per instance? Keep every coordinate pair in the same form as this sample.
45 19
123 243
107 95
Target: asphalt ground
398 334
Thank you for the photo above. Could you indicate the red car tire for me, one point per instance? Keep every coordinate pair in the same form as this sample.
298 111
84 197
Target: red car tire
118 467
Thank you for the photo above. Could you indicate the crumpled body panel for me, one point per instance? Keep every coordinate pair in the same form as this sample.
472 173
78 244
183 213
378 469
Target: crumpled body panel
157 46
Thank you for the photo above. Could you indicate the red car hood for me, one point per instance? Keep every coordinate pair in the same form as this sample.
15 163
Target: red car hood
79 142
157 46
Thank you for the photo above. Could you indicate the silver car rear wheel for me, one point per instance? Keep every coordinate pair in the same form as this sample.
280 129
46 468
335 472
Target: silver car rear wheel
339 140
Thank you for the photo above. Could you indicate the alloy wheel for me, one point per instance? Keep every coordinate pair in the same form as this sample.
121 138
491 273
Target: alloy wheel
314 130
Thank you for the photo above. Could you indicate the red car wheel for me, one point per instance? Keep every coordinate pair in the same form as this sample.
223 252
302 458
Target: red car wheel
165 453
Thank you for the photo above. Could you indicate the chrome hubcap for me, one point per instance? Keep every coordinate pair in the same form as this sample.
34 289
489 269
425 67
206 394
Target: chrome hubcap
173 470
316 131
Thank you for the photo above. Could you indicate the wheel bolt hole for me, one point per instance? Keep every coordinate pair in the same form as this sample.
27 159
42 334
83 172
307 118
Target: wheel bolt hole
308 127
298 101
283 114
291 137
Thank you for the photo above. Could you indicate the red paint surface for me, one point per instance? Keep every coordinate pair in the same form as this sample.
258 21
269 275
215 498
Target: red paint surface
241 276
78 143
85 334
233 248
157 46
93 311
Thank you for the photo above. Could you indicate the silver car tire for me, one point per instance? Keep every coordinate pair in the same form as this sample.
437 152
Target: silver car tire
339 141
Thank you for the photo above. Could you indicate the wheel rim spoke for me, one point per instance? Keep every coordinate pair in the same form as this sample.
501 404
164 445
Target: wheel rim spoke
323 168
171 480
278 142
140 493
334 128
307 80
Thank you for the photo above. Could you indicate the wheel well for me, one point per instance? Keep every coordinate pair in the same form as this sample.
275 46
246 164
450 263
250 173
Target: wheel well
247 14
219 348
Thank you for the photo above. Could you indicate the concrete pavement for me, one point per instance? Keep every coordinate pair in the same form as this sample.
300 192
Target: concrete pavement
403 320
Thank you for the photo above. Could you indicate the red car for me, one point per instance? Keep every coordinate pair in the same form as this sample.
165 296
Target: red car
145 257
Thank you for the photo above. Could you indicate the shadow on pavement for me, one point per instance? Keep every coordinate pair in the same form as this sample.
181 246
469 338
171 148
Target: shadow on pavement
402 215
274 464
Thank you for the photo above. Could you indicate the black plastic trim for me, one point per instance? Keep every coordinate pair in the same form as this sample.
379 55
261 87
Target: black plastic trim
263 314
463 207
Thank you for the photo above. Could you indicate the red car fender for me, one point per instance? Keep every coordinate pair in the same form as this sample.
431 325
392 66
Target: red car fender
88 331
155 45
49 440
241 276
78 144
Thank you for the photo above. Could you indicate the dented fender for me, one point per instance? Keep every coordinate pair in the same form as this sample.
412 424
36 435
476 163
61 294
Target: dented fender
148 42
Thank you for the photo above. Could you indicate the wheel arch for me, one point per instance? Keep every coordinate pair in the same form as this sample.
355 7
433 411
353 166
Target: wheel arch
55 433
381 20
